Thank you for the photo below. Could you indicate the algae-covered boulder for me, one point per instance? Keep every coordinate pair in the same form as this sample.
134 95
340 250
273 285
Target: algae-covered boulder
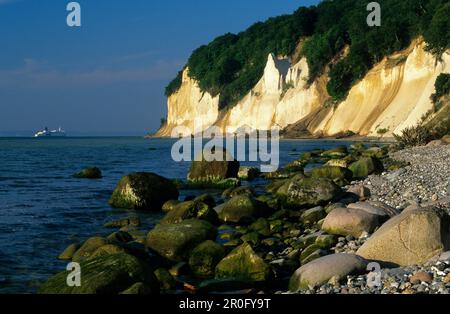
332 172
143 191
335 153
138 288
242 209
243 264
165 279
313 215
366 166
176 241
308 192
189 210
205 257
169 205
89 173
248 173
89 247
411 238
110 274
213 167
321 270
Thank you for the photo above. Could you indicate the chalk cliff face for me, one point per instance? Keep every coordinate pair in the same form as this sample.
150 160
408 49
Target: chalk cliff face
394 94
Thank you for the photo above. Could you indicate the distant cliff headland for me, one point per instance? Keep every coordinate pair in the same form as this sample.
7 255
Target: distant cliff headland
321 71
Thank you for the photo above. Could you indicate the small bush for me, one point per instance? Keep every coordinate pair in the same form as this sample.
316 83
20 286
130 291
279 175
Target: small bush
413 136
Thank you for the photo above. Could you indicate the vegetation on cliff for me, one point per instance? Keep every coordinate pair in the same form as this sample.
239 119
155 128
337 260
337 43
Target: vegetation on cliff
233 63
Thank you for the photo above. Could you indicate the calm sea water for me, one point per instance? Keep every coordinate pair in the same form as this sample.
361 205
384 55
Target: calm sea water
43 208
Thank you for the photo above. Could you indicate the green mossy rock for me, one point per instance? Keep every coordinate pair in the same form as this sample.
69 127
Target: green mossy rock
170 205
108 249
143 191
213 171
205 257
310 192
248 173
175 242
242 209
242 190
313 215
189 210
68 253
261 226
165 279
138 289
335 153
104 275
127 222
365 167
89 173
252 238
89 247
332 173
244 264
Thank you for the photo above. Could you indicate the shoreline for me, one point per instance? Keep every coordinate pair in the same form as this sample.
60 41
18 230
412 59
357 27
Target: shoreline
294 237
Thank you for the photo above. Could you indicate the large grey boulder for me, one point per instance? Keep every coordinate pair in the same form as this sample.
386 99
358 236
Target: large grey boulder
321 270
143 191
411 238
351 221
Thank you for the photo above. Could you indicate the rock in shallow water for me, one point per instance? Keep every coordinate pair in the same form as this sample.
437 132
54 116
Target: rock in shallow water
176 241
105 275
89 173
143 191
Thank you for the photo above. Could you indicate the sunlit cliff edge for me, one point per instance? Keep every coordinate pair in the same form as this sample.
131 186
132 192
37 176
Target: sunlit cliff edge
393 95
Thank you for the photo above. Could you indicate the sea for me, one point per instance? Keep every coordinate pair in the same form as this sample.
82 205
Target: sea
43 208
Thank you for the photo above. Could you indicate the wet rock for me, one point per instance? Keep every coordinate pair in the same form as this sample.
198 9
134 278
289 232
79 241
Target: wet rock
248 173
213 171
131 221
165 279
176 241
104 275
120 237
313 215
243 264
243 209
309 192
420 277
332 173
320 271
143 191
89 173
205 257
138 289
365 167
89 247
189 210
69 252
242 190
170 205
335 153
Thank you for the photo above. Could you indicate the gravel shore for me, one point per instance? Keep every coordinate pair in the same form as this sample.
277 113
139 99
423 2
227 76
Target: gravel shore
426 179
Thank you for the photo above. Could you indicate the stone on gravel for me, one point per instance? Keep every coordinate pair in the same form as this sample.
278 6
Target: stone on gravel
321 270
411 238
350 221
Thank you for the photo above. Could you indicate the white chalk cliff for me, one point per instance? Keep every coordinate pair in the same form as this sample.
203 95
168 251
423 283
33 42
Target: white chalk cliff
394 94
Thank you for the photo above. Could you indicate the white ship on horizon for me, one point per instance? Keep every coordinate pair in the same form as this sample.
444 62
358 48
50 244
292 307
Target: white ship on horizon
53 133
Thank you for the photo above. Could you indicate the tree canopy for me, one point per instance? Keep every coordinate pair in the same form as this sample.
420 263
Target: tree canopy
233 63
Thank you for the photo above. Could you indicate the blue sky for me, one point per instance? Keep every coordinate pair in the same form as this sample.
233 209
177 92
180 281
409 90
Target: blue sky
108 76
